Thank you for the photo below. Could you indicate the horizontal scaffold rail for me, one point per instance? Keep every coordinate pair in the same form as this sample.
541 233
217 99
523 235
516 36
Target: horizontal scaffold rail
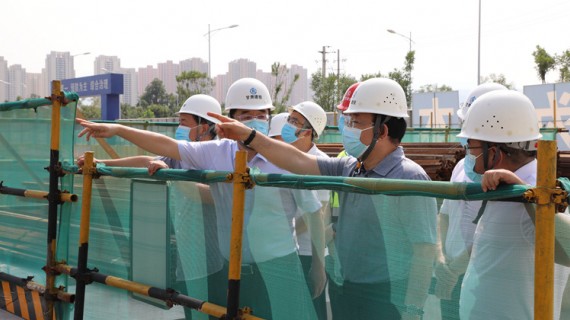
170 296
438 189
36 102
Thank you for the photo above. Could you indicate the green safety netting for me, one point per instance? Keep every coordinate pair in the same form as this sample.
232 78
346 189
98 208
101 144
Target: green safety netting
437 189
171 231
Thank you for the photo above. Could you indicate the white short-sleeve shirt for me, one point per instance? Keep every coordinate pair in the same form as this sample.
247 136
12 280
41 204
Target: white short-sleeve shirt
269 211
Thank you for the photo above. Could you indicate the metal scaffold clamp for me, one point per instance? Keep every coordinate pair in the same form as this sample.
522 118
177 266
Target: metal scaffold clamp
558 196
244 178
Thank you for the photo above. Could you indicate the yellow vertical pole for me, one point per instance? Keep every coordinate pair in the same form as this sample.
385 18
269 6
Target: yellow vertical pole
53 197
554 107
238 206
544 250
83 252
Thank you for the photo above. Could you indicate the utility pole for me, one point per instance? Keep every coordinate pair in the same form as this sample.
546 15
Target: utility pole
324 61
337 76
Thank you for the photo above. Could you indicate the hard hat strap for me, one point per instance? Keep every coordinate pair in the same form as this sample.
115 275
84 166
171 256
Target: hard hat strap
378 130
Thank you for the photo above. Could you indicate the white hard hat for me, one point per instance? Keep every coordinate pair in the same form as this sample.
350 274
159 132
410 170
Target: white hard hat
379 96
502 116
200 105
277 123
476 93
248 94
313 113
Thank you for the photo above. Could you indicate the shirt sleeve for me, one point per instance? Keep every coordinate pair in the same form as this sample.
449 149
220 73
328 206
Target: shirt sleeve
307 200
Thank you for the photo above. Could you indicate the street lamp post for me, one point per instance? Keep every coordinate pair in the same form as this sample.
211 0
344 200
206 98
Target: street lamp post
479 48
401 35
409 89
80 54
209 33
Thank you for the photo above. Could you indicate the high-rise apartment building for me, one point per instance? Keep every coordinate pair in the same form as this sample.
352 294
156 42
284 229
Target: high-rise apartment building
59 65
130 94
300 90
106 64
4 80
167 72
15 82
35 86
145 76
17 76
112 64
194 64
237 69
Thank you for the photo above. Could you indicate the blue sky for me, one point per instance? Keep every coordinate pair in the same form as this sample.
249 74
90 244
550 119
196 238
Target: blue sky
444 34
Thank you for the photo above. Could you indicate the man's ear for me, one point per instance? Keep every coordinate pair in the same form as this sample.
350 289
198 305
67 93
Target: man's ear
383 132
307 132
204 127
497 156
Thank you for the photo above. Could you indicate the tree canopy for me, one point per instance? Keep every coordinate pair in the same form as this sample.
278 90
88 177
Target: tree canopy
544 62
328 92
191 83
282 90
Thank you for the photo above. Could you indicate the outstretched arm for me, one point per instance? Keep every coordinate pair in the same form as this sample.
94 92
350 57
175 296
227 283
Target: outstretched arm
279 153
148 140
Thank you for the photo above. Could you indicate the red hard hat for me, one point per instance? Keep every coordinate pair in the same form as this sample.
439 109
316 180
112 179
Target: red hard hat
347 96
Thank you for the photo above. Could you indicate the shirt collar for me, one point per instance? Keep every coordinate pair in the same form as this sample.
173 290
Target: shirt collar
383 168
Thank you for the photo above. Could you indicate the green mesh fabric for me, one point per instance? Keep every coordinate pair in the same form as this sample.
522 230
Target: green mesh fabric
191 261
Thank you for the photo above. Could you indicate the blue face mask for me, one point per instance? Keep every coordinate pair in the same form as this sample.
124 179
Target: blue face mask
259 125
341 123
469 167
289 133
351 142
182 133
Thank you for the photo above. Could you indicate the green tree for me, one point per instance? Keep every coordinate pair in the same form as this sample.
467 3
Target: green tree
500 78
282 91
434 88
405 79
563 62
91 112
371 75
131 112
157 111
544 62
401 76
327 93
191 83
154 93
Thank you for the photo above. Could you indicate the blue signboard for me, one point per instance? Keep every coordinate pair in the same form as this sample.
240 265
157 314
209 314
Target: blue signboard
552 103
435 109
109 86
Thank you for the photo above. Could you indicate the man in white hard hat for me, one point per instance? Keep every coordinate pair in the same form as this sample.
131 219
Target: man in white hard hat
502 130
456 227
199 270
386 244
301 128
269 259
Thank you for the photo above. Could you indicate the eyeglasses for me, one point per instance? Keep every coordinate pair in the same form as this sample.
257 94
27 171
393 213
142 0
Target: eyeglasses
350 123
249 117
294 121
467 147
